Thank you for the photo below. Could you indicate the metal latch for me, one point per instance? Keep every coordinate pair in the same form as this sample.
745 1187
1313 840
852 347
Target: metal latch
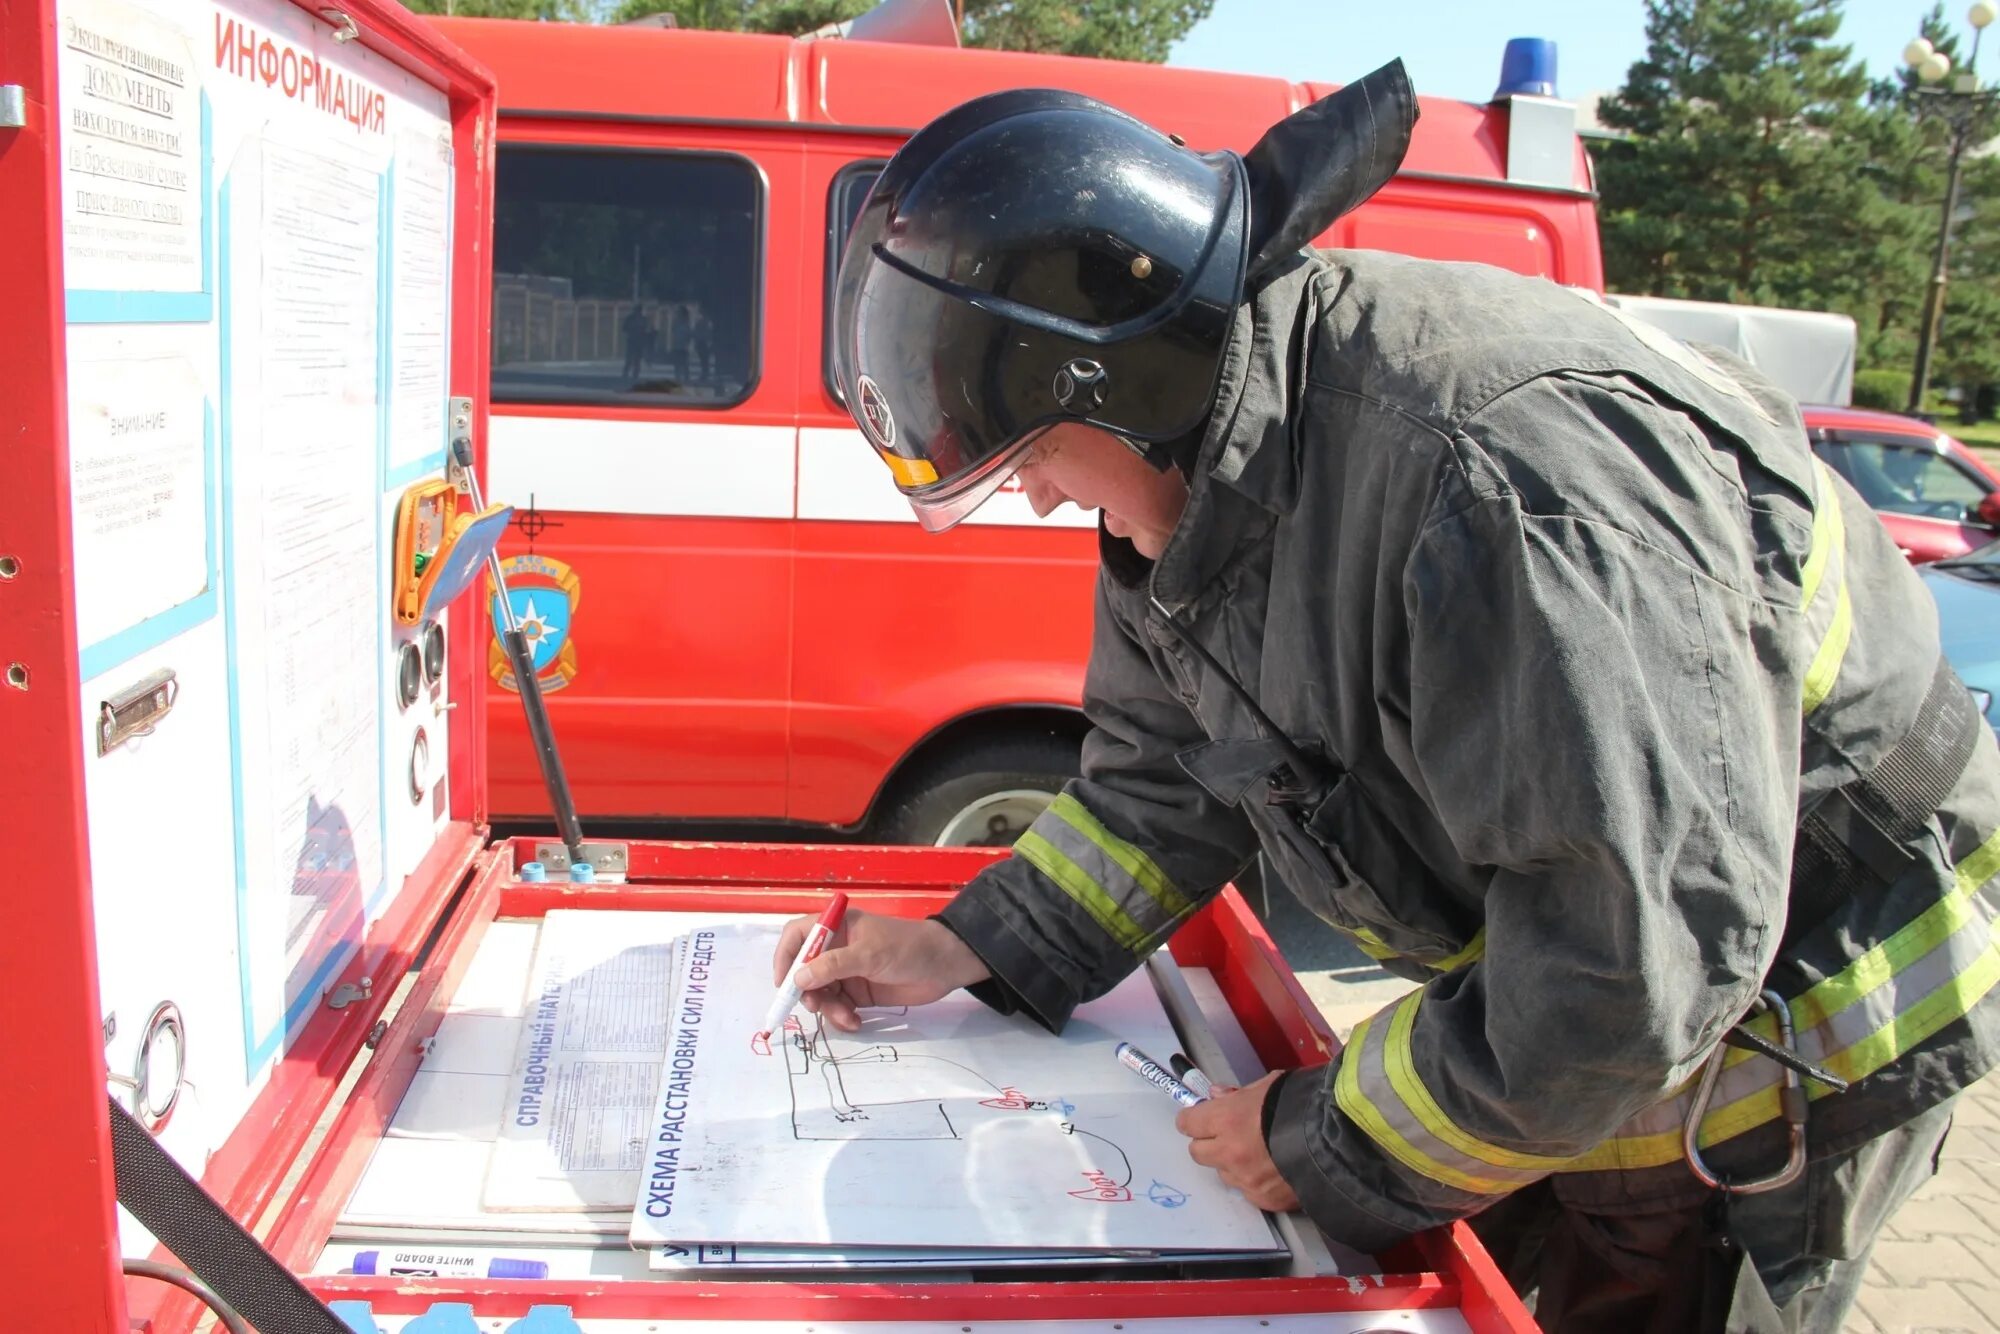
136 710
13 107
604 858
347 993
457 468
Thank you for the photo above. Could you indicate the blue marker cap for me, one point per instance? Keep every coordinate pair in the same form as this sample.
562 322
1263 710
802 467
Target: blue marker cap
582 873
534 873
517 1269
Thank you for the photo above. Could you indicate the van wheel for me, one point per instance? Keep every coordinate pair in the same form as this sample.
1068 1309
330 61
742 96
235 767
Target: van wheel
984 796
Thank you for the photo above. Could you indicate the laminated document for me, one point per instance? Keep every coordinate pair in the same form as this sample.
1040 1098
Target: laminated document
577 1114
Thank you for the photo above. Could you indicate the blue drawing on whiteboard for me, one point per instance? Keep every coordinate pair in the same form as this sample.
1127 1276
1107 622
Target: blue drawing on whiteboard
1062 1106
1166 1196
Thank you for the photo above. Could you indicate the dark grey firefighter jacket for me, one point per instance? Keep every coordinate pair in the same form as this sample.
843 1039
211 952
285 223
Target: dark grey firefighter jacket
1581 628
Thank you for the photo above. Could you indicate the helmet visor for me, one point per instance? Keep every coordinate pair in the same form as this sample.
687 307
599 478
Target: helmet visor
944 505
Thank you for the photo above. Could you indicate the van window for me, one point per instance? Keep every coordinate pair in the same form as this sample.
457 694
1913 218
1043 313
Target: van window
625 277
843 204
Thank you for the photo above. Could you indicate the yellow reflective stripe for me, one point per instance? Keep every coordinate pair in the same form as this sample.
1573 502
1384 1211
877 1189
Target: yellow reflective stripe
1379 950
1409 1087
1828 542
1825 1005
1908 1030
1825 532
1052 862
1370 944
1832 650
1348 1095
1474 949
1667 1146
1129 858
1910 942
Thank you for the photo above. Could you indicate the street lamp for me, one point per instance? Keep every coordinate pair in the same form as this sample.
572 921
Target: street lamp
1963 107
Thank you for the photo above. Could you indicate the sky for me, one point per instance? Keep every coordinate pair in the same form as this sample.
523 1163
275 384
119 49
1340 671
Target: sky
1452 48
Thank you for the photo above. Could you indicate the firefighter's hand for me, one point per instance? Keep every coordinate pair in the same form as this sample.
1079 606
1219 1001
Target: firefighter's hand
875 960
1226 1133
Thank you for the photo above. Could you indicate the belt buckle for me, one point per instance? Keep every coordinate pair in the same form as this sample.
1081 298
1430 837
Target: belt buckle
1791 1101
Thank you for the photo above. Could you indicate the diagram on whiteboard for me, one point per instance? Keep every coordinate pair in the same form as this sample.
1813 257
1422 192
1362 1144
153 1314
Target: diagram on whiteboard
850 1090
940 1125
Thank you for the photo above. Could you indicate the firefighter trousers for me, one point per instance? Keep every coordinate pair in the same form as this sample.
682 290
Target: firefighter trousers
1585 1268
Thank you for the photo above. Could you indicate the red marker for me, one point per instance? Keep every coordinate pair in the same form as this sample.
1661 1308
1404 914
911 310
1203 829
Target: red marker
815 942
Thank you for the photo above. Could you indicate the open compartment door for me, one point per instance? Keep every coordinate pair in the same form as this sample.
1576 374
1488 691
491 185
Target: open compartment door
247 280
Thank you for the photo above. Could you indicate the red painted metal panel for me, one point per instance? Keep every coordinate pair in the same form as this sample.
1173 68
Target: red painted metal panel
475 135
889 84
1488 1304
618 73
898 631
657 863
634 71
716 1304
678 705
63 1231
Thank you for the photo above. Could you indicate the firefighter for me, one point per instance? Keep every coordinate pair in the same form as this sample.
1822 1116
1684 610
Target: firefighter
1535 651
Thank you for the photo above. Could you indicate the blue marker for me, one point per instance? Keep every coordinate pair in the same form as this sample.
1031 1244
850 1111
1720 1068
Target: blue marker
1156 1074
440 1264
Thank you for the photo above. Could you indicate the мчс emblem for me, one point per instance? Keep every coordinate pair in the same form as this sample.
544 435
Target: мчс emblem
543 594
875 414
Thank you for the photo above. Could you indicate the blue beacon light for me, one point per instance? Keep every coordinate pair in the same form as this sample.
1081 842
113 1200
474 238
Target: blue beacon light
1527 69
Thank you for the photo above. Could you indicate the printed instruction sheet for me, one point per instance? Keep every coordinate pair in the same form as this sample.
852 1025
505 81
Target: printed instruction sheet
574 1129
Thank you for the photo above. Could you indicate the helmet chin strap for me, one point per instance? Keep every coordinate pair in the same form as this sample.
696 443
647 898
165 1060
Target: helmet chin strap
1180 452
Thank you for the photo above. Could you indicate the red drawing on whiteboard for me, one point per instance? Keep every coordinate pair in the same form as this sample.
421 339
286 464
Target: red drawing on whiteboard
760 1043
1102 1189
1012 1099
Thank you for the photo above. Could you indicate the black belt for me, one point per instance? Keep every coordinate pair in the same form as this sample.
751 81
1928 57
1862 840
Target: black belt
1857 838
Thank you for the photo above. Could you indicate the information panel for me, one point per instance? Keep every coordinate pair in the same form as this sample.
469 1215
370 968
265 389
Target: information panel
257 236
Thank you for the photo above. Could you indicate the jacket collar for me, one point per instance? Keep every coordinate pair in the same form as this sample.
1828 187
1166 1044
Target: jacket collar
1246 472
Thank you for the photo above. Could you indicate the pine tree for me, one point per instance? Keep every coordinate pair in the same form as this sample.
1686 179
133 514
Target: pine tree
1113 29
1743 176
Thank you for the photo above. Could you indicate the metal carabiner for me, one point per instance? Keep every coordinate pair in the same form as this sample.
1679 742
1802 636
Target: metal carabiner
1791 1103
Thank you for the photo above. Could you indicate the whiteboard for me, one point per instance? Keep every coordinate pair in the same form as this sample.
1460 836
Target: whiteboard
941 1125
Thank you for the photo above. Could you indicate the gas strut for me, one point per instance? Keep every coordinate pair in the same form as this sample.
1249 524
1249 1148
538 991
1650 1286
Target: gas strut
522 655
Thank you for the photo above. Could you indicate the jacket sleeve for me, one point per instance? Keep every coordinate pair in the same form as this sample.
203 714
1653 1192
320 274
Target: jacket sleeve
1591 721
1125 855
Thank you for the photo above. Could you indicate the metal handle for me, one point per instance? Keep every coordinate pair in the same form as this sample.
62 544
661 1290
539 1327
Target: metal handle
166 1018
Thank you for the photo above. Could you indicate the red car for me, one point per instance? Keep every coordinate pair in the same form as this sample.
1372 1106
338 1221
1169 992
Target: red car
1936 497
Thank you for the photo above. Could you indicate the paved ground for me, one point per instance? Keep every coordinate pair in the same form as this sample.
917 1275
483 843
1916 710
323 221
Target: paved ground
1936 1270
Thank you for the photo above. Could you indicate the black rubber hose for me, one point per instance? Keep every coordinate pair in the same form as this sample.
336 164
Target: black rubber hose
193 1286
